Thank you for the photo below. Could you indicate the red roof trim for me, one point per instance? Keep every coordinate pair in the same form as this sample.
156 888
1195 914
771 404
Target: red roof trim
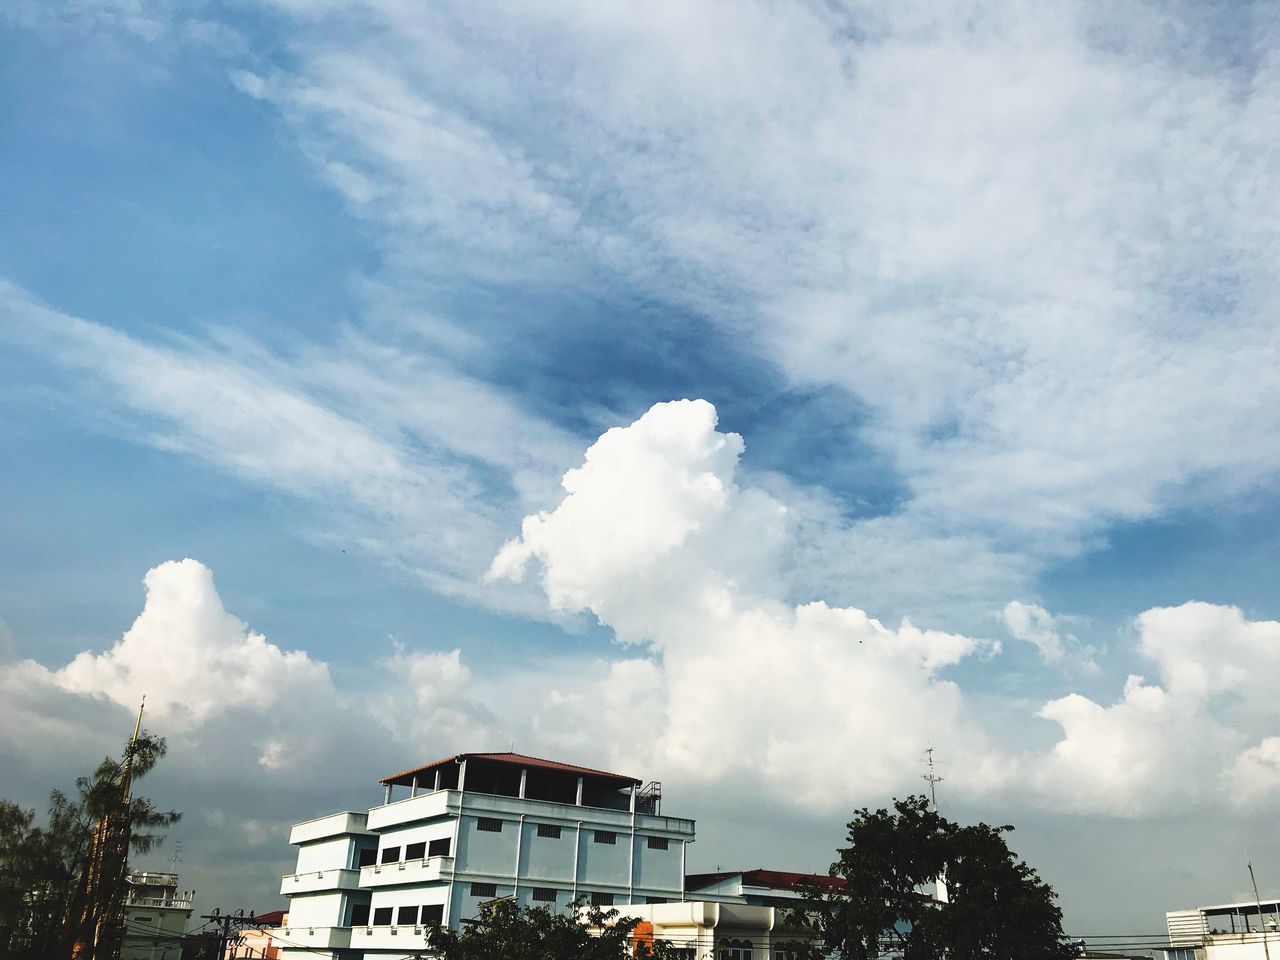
515 760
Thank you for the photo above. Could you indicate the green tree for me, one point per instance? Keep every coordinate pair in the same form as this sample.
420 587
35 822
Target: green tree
999 907
506 930
39 865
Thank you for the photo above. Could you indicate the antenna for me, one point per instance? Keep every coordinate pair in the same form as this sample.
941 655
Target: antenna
1266 949
933 780
177 856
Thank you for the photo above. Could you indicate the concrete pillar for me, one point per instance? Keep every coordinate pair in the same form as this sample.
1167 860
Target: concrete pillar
437 786
413 788
524 779
579 800
462 775
633 798
387 799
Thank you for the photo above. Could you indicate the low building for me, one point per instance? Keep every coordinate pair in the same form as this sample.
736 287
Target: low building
258 942
710 930
761 887
1228 931
155 916
469 829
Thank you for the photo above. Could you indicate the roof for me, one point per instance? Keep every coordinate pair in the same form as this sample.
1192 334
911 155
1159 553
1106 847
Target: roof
272 918
516 760
760 877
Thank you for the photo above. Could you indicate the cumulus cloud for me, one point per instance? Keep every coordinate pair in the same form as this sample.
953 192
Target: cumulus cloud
1202 734
657 539
191 658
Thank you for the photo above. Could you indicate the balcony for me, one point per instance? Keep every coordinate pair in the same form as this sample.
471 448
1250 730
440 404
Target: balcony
314 938
318 880
407 872
334 825
425 806
158 903
405 939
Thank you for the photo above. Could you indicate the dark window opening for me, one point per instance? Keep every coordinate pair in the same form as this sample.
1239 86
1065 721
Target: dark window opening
448 777
551 786
605 836
489 824
606 795
494 779
360 915
438 848
407 916
391 855
415 851
368 857
549 830
432 914
145 919
544 895
657 843
486 890
382 917
602 899
656 900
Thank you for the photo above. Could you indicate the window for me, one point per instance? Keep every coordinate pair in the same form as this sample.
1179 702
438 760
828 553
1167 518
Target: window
360 915
605 836
368 857
486 891
391 855
657 843
734 950
407 916
656 900
602 899
415 851
785 950
145 919
544 895
438 848
432 914
549 830
489 824
382 917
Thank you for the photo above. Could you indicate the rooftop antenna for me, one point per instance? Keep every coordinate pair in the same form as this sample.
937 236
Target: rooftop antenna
1266 949
933 780
177 856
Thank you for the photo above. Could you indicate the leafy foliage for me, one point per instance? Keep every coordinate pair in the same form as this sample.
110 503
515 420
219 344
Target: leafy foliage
507 930
999 907
39 864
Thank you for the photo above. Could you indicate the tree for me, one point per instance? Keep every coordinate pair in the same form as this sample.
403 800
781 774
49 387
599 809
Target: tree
506 930
999 907
40 865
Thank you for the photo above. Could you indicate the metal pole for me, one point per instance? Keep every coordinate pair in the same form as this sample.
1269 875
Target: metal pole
1266 950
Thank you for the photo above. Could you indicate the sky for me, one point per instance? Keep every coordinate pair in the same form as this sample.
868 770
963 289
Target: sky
746 396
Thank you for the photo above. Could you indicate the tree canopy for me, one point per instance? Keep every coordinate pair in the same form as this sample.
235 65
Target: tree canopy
39 864
506 930
999 908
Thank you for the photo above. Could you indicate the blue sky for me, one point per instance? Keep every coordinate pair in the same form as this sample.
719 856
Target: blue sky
329 299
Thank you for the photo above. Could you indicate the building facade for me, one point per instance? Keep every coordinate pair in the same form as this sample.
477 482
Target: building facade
155 916
475 828
1228 931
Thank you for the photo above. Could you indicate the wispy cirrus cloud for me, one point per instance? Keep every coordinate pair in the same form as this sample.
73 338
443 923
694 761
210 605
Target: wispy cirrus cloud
407 458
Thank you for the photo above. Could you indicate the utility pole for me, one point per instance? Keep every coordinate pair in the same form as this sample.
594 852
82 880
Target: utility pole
1266 949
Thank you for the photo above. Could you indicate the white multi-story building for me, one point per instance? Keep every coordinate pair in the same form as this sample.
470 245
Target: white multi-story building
1228 931
155 916
469 829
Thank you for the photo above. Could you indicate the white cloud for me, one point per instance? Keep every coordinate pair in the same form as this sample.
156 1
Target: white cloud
1201 735
191 658
399 451
656 538
1033 624
1031 244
